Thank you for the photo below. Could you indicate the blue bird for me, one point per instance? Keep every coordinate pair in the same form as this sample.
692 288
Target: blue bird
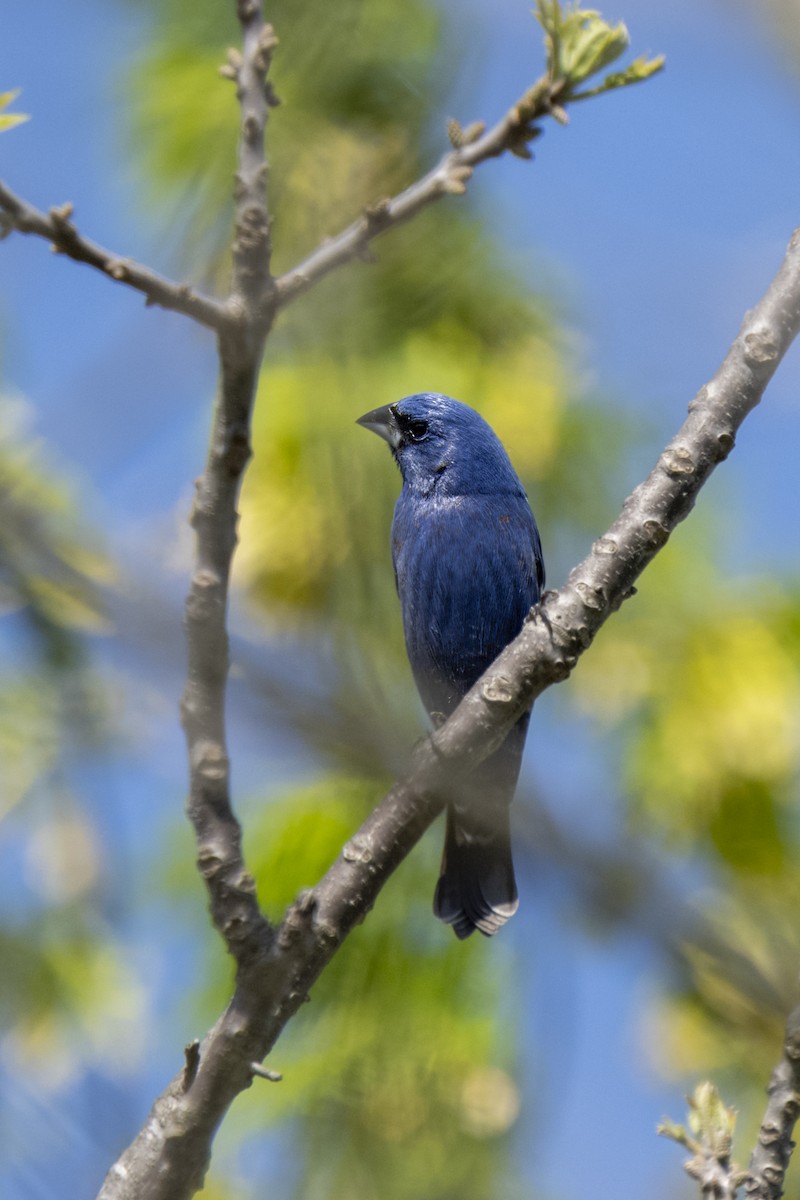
468 567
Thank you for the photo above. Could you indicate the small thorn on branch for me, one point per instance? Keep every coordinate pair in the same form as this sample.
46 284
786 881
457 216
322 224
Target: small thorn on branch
378 215
262 1073
298 919
192 1054
61 214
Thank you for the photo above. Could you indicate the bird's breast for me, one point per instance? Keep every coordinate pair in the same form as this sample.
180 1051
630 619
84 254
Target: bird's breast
466 571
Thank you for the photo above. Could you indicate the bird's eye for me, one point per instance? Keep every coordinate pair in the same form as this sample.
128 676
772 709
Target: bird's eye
417 430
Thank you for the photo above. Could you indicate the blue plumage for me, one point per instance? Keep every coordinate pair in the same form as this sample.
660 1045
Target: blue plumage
468 565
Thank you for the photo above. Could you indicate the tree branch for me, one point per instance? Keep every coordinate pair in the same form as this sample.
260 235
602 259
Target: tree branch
449 177
234 906
773 1151
168 1159
57 228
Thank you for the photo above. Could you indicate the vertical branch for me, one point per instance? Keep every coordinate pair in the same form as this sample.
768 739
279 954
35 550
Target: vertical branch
770 1158
252 282
234 906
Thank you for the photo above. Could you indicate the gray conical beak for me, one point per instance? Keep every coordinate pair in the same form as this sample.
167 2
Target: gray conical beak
383 422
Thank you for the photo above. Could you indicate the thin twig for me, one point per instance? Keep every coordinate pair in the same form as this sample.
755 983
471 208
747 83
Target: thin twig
167 1160
709 1139
57 228
449 177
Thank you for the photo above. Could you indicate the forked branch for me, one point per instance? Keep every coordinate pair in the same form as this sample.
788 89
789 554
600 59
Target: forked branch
167 1160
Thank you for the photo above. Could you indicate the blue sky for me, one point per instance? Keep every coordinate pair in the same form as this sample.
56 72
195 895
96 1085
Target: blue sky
659 216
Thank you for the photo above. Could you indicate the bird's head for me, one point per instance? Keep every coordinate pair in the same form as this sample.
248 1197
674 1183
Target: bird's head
444 446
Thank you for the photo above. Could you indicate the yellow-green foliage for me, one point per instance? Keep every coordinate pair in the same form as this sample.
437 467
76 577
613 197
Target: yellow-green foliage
398 1065
710 687
703 676
8 120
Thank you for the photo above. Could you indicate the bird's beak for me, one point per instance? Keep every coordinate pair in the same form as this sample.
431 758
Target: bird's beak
383 421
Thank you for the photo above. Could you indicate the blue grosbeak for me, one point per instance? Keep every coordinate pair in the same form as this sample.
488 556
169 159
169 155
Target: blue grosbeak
468 567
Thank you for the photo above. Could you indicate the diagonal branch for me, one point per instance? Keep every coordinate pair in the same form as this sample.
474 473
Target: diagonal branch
168 1159
449 177
57 228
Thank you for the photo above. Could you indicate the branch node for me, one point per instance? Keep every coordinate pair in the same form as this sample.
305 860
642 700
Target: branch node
656 533
454 181
210 761
231 68
678 461
251 128
498 691
61 214
378 215
357 850
592 597
760 347
298 918
464 137
267 42
520 149
725 443
119 269
699 400
455 133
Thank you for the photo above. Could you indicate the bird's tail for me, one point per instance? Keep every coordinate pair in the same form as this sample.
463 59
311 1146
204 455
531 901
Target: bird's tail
476 888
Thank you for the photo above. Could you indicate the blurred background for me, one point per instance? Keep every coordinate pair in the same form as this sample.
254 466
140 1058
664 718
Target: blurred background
578 302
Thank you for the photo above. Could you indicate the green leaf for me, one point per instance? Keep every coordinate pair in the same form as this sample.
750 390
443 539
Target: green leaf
676 1133
580 43
710 1118
639 70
